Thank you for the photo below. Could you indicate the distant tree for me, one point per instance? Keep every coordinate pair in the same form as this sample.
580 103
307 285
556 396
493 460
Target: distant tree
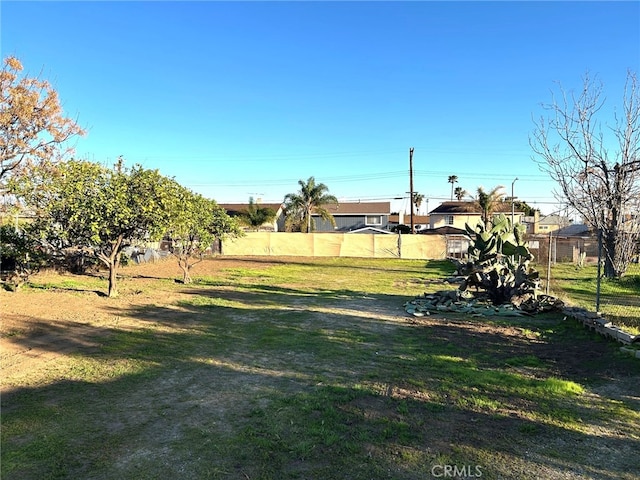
460 193
311 199
524 207
404 229
418 198
488 203
32 126
452 180
598 174
255 216
196 222
84 204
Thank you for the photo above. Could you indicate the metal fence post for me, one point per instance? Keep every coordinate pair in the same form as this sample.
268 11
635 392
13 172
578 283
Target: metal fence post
599 270
549 265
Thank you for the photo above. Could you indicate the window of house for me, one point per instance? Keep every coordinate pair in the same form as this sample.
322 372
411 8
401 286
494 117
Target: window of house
448 219
373 220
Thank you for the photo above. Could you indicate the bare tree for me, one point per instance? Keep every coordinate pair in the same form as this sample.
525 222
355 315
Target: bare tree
598 172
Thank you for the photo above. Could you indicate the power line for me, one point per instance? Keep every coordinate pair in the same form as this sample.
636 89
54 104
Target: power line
361 177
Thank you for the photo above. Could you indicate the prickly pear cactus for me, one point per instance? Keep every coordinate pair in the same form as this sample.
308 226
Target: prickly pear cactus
499 263
498 278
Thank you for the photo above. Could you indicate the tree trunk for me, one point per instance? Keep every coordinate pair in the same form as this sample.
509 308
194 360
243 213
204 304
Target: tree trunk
185 267
114 263
609 253
113 285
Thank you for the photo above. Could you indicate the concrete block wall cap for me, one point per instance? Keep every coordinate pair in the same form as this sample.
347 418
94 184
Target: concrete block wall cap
624 336
602 321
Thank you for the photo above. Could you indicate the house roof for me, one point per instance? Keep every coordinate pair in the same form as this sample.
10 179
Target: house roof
417 219
371 230
234 209
577 230
446 230
359 208
469 207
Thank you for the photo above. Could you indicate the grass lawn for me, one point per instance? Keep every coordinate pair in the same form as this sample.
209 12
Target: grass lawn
293 368
619 298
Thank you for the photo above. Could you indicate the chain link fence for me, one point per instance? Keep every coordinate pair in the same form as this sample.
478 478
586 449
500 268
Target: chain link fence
573 267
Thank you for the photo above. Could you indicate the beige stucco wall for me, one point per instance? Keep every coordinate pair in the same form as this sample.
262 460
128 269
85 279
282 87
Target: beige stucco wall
337 245
459 221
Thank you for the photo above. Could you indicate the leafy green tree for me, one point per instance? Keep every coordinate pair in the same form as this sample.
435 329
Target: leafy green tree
86 205
255 216
488 202
312 198
196 223
524 207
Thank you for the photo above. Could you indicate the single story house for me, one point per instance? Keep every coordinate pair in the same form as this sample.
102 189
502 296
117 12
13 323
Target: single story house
565 244
351 216
552 223
236 209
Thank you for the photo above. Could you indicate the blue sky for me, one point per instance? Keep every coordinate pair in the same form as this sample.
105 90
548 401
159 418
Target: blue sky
240 99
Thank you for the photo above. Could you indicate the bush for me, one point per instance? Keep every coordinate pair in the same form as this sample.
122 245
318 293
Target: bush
22 255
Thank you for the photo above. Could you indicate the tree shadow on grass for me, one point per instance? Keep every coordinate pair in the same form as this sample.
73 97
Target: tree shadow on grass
36 286
258 411
445 267
264 294
282 391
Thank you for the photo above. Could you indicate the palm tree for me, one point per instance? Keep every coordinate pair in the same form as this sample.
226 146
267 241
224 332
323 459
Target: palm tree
452 179
255 216
311 199
488 201
460 193
418 198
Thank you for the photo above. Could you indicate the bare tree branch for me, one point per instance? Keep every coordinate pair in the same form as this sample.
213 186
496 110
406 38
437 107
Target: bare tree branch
600 181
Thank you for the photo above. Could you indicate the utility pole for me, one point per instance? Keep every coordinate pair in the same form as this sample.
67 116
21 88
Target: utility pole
512 202
411 185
